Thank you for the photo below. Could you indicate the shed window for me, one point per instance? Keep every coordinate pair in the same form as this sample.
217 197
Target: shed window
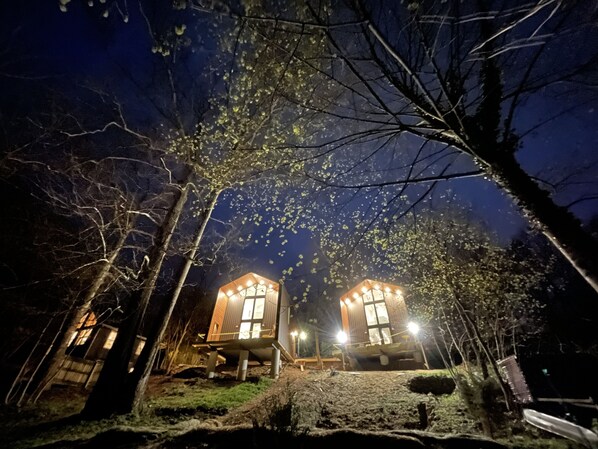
84 328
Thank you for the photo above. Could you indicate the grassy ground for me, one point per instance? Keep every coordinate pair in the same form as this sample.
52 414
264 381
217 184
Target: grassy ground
173 406
301 402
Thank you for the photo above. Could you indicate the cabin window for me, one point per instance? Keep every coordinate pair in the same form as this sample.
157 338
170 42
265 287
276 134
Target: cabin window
253 312
84 328
376 316
110 340
140 347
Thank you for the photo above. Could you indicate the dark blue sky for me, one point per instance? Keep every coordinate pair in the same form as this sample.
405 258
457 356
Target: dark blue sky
41 41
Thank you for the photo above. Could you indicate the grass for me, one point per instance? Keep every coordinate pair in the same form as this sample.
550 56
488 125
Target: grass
55 417
214 399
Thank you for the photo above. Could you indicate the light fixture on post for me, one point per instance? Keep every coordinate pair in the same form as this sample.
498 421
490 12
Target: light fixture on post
302 336
342 338
414 329
294 335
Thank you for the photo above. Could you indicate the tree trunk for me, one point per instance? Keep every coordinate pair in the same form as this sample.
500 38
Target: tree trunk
177 346
561 227
106 397
318 356
15 386
137 380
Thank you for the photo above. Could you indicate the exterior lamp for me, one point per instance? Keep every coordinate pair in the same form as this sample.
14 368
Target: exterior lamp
413 327
342 339
302 335
294 342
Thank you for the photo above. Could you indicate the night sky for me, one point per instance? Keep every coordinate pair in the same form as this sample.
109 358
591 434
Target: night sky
41 42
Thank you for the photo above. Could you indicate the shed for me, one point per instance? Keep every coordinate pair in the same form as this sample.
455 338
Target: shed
88 348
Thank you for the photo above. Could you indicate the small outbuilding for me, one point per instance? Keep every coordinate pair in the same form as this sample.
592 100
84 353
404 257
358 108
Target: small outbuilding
375 324
88 348
250 324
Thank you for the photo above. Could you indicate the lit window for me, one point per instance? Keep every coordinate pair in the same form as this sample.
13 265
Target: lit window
140 347
110 340
247 309
258 310
378 295
244 330
253 312
84 328
376 316
382 313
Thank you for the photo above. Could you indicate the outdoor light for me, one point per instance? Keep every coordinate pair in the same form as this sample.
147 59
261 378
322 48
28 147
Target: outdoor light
341 337
387 289
355 295
302 335
249 283
294 334
261 282
399 292
229 293
377 287
269 285
240 287
363 289
413 327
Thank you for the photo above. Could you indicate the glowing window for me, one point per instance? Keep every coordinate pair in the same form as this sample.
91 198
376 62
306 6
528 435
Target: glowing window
110 340
139 348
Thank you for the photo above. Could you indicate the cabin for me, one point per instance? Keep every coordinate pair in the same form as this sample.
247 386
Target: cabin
375 323
250 325
88 348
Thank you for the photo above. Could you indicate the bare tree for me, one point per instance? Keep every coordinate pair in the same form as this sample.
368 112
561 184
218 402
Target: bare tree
454 74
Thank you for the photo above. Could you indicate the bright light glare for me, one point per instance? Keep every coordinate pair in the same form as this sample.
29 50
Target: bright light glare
294 333
413 327
341 337
302 335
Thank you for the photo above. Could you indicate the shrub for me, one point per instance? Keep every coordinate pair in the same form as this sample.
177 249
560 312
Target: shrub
436 385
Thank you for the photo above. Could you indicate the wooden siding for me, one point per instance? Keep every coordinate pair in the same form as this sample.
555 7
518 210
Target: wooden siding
358 328
398 317
218 316
96 349
283 331
269 322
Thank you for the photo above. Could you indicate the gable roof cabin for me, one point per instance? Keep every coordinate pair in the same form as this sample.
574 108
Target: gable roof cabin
250 324
374 318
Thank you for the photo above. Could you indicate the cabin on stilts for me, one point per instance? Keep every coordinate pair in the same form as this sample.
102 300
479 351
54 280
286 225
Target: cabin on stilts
375 322
250 325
